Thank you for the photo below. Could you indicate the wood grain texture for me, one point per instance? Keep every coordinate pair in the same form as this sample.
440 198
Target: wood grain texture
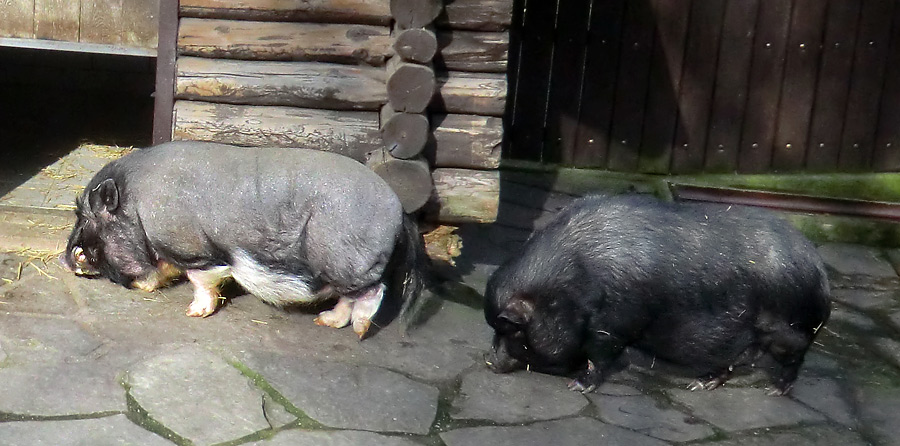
351 134
299 84
866 83
404 134
17 18
799 85
472 51
232 39
415 44
409 178
466 141
476 15
470 93
832 88
120 22
415 13
465 196
764 90
730 95
56 20
364 12
410 86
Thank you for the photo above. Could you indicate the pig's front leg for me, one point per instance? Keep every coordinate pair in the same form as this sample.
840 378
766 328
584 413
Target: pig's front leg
602 348
206 289
163 275
365 304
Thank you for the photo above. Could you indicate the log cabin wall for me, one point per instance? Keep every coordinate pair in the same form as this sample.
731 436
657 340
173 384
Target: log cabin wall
414 88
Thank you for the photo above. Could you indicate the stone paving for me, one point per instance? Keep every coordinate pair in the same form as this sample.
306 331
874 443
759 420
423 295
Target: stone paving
86 362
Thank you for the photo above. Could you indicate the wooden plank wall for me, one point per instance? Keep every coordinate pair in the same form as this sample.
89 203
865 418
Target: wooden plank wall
131 23
684 86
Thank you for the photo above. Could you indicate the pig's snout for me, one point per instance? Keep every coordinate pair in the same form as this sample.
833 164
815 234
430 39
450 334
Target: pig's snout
501 362
76 261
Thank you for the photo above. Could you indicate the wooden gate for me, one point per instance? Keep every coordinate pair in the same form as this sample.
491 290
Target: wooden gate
679 86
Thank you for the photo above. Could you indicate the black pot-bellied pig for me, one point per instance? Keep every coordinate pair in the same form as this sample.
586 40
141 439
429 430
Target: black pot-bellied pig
706 286
289 225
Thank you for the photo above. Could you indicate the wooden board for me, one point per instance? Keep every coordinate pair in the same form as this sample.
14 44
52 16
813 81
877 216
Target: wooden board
466 141
56 20
631 87
470 93
600 72
299 84
130 23
365 12
730 97
799 85
764 89
697 84
667 62
865 84
348 133
564 104
472 51
535 52
476 15
17 18
232 39
887 142
466 196
832 87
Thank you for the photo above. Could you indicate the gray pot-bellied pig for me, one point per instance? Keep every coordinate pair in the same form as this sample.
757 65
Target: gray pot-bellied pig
289 225
705 286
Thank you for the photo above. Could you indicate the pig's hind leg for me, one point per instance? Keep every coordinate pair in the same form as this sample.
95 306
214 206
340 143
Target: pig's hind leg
206 289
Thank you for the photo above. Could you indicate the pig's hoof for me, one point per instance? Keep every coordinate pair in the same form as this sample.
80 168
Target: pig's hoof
144 285
201 309
705 384
780 392
333 318
361 327
578 386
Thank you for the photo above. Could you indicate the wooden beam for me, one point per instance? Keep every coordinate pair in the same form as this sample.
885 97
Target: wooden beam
470 93
465 196
235 39
409 178
476 15
363 12
404 134
415 13
472 51
349 133
466 141
299 84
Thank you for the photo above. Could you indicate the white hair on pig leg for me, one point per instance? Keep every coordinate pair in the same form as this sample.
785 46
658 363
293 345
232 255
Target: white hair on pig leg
337 317
206 289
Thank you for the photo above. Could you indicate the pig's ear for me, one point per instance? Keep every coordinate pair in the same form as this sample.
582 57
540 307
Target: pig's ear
104 197
518 312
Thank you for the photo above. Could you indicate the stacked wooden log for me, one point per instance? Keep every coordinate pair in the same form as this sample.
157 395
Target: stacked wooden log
412 86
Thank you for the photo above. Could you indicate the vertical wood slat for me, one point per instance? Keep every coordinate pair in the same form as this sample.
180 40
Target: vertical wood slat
661 113
600 73
764 89
866 83
729 99
164 96
56 20
799 85
564 103
697 85
832 88
17 17
887 141
631 87
526 140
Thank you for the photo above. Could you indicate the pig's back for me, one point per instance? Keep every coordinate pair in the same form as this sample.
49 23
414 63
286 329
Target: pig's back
205 196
